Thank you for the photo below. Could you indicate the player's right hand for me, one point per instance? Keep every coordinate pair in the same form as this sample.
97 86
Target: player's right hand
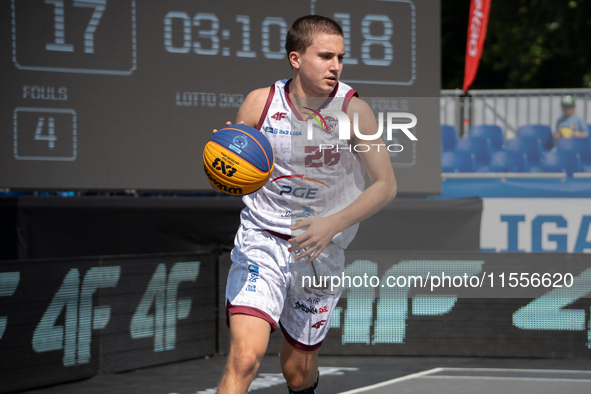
228 123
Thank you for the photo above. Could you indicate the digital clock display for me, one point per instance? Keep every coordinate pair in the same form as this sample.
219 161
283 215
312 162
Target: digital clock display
121 94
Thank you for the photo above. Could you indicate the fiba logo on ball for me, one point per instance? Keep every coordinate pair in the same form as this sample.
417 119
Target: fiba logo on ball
238 160
238 143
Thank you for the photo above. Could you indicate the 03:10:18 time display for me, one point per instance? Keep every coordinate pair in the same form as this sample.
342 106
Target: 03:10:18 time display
207 41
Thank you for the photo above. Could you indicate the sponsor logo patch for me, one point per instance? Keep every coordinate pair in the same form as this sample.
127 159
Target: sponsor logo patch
305 308
273 130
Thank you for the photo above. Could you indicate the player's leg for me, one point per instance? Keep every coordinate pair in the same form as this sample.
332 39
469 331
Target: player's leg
249 337
299 367
255 294
305 320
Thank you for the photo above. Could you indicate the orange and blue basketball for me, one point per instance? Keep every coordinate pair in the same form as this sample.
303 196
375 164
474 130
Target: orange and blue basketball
238 160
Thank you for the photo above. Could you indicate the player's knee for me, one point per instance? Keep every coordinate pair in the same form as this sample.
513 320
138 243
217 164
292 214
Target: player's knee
296 379
296 384
246 362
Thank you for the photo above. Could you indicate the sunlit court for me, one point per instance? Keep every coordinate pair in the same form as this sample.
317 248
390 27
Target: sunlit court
319 196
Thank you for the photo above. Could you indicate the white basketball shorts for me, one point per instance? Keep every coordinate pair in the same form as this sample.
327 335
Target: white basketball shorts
259 284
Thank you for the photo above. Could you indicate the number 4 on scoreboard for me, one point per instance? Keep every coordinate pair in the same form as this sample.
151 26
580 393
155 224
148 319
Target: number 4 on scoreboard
50 136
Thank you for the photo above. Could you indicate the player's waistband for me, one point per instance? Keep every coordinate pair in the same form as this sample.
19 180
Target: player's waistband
279 235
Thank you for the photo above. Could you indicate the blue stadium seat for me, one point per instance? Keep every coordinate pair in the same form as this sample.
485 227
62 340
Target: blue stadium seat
457 162
449 138
490 132
555 161
506 161
480 147
528 145
577 146
539 132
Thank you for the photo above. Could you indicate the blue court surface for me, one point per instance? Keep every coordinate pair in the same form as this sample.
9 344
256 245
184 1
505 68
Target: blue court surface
350 375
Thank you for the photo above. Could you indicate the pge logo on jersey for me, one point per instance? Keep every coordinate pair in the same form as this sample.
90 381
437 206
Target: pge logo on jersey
308 193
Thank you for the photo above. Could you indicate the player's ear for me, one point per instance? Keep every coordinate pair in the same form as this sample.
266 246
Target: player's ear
294 59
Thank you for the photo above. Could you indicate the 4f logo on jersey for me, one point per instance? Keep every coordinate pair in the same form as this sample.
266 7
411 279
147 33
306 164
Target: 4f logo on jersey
319 324
279 115
221 165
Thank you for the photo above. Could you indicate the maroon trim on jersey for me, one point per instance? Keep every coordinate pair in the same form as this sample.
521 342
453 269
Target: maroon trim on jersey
250 311
296 113
350 94
267 105
279 235
299 345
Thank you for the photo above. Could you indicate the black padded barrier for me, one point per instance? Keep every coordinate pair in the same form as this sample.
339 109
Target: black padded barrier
56 227
67 319
501 321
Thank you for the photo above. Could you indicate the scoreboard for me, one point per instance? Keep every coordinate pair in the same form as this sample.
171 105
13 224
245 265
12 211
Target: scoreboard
105 94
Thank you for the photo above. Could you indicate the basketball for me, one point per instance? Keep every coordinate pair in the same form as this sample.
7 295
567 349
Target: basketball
238 160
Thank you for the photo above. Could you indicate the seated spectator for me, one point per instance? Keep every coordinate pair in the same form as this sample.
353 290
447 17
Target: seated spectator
570 124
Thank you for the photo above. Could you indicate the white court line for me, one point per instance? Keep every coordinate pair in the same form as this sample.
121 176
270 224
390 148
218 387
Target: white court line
424 374
392 381
504 378
516 370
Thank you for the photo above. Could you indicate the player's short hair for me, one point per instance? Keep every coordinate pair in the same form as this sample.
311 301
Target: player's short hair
301 32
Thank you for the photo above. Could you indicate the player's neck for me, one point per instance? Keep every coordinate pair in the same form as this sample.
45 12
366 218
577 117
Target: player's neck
302 96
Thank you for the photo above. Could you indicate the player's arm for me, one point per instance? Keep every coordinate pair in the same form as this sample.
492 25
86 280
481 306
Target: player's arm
582 130
251 109
381 192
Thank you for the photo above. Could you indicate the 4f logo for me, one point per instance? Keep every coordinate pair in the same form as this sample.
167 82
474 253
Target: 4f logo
226 169
318 324
279 115
162 292
75 297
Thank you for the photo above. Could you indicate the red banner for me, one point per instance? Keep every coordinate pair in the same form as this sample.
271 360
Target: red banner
479 10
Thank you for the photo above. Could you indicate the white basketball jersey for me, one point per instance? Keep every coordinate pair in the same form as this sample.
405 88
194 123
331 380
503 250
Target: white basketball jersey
307 180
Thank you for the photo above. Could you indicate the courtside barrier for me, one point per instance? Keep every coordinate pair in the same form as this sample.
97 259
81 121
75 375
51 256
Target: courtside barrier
492 305
67 319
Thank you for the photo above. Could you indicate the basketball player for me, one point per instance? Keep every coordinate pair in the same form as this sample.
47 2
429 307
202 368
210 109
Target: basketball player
258 288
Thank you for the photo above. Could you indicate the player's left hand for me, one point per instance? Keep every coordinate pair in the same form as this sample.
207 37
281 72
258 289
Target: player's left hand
313 241
228 123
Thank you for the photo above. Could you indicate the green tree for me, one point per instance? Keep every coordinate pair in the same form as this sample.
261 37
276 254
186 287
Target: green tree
529 44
